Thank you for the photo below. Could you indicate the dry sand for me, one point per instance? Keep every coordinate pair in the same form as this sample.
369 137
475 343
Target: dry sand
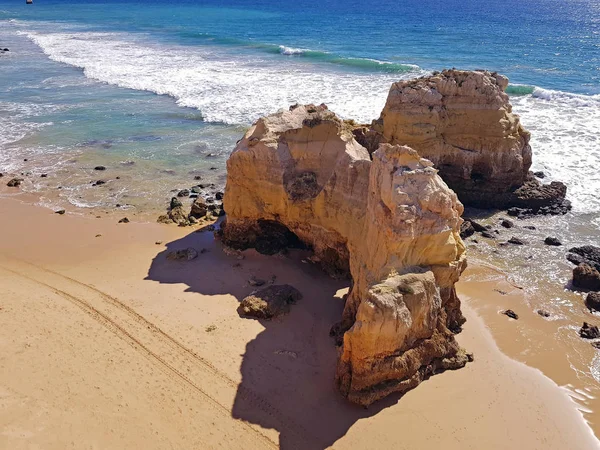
106 344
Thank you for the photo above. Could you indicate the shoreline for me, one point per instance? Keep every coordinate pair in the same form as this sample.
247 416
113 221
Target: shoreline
287 363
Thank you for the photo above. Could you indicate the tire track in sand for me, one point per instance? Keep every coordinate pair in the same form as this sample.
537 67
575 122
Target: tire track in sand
171 356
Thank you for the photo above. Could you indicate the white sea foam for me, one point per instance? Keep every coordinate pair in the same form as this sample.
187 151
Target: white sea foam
232 92
565 127
565 141
290 50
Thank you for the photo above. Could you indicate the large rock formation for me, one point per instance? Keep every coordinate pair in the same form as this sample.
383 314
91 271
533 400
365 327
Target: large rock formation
299 177
463 122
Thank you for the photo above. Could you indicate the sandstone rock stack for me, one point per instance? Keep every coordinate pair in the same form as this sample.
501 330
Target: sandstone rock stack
463 122
383 216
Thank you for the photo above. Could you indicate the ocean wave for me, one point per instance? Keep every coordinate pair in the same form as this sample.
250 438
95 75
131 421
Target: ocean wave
231 90
291 51
317 56
579 100
519 89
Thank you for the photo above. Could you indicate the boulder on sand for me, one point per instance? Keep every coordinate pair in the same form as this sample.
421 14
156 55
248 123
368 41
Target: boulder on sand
270 302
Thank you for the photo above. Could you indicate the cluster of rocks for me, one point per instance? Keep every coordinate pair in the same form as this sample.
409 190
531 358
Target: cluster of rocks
206 205
586 274
471 226
3 51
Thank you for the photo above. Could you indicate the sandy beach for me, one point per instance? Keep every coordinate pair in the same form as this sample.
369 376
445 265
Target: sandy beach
106 344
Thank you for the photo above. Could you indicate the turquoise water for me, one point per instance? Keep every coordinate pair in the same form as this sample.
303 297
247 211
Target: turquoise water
80 81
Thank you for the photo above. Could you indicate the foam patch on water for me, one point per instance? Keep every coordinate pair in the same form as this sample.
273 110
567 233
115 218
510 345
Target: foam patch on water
224 90
565 141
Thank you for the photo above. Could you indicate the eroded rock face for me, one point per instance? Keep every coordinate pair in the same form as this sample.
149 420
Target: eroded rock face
463 122
384 217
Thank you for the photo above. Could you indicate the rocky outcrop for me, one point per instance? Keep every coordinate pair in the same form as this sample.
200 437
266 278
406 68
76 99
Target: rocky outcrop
385 217
463 122
588 254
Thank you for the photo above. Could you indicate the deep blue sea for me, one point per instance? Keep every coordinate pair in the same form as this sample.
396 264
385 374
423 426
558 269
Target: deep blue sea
79 85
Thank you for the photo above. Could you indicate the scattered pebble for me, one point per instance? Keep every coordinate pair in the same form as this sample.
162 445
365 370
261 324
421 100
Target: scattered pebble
510 313
98 235
543 313
60 211
15 182
552 241
124 220
210 328
99 168
507 223
516 241
158 242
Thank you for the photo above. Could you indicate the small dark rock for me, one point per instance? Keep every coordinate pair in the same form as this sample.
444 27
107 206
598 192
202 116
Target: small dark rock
592 301
99 183
253 281
466 229
199 208
540 174
543 313
552 241
510 313
25 160
219 195
175 203
507 223
516 241
476 225
15 182
124 220
529 227
183 193
99 168
182 255
210 155
44 175
487 234
213 168
60 211
197 177
588 331
196 190
586 277
270 302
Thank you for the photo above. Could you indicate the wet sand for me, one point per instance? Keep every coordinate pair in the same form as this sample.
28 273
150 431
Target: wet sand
106 344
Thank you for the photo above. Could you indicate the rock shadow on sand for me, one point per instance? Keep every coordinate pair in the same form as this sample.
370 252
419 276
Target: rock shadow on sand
288 369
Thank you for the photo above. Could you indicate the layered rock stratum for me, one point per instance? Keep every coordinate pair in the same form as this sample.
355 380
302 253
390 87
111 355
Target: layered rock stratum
381 215
463 122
